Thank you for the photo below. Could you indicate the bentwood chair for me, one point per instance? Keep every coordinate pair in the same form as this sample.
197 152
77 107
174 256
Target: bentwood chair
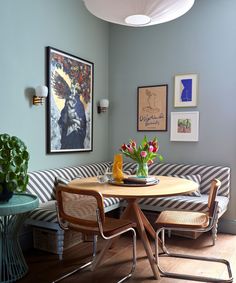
190 221
83 211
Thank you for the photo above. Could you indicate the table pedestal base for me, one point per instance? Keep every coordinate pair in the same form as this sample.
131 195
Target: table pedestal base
12 262
134 213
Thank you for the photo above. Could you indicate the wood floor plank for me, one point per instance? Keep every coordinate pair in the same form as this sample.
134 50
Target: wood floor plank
45 267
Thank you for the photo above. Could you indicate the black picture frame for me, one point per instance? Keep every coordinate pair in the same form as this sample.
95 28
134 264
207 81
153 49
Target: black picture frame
70 81
152 108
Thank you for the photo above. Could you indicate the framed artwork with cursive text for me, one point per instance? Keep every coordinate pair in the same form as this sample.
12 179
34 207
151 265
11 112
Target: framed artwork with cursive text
152 108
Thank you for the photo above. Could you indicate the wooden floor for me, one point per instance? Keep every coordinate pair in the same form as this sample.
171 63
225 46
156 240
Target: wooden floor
45 267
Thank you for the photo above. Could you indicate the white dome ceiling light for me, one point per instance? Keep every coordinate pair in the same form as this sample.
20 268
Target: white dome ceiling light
138 13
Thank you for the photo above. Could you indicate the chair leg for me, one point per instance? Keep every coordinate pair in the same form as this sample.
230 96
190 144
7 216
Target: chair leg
94 255
84 265
163 241
169 233
189 277
133 261
157 247
214 233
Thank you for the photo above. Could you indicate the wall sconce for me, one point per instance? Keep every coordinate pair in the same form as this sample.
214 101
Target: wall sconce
41 92
103 105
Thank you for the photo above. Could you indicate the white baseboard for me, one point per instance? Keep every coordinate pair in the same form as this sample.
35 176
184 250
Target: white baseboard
227 226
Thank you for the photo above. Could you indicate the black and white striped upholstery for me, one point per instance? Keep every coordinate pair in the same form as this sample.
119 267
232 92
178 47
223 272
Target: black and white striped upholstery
208 173
191 203
184 202
42 184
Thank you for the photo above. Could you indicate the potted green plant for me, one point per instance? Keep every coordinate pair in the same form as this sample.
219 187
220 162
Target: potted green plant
14 159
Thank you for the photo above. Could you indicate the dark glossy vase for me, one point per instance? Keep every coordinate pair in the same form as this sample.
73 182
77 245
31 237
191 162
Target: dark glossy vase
5 195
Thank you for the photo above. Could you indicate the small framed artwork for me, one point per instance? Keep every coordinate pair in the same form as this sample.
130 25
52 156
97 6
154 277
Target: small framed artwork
186 90
184 126
152 108
70 103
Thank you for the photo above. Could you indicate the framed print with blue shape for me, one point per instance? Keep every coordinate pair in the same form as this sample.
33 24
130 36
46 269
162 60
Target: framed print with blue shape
70 103
186 90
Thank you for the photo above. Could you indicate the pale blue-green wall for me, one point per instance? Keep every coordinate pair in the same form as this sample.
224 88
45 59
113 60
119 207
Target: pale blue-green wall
204 42
26 28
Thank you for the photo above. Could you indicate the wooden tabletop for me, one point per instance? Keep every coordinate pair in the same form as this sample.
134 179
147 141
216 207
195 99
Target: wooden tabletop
167 186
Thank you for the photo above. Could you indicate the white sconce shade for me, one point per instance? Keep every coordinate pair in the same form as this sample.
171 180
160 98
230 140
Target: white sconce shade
138 13
103 105
41 92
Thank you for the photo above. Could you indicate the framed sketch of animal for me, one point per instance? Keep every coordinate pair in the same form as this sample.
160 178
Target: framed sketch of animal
152 108
70 103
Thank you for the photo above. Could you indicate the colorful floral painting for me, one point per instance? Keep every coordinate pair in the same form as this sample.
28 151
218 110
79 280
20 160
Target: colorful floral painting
70 81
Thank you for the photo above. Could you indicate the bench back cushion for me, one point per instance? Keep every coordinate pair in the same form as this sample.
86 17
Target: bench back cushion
208 173
42 183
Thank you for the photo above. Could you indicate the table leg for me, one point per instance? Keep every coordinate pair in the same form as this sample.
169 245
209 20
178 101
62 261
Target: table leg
149 227
99 258
137 216
147 224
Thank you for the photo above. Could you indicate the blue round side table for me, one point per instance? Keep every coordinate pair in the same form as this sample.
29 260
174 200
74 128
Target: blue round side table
12 216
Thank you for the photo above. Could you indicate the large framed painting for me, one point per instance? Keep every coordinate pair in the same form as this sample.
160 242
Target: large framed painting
152 108
186 90
184 126
70 103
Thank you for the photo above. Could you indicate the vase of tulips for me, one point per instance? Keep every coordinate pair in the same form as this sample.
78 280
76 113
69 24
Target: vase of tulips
143 154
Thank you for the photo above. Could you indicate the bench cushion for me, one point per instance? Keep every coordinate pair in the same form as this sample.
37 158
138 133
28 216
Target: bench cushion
42 183
196 178
208 173
182 202
47 211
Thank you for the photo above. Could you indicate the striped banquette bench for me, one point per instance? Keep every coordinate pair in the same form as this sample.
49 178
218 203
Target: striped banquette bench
42 183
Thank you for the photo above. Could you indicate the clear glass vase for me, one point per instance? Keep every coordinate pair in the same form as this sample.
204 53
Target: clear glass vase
142 170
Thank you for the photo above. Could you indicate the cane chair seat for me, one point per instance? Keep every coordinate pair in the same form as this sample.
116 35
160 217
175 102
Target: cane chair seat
183 219
110 227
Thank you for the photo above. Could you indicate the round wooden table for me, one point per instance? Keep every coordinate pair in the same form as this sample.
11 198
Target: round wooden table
167 186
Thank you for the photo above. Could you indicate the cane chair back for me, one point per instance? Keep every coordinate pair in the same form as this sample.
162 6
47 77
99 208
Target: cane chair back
79 206
215 184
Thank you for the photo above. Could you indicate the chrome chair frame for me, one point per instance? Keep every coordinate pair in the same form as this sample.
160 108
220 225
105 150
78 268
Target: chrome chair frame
166 253
90 263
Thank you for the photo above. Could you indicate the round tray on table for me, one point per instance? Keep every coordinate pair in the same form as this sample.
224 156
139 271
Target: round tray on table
112 182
